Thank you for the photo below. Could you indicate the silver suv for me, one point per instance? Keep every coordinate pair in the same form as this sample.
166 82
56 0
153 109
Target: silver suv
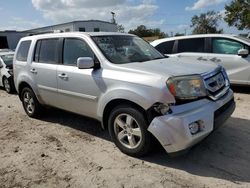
122 81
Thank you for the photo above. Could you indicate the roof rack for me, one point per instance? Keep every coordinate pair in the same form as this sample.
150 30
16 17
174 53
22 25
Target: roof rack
45 32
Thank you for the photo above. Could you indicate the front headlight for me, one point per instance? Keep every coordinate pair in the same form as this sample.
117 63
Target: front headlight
187 87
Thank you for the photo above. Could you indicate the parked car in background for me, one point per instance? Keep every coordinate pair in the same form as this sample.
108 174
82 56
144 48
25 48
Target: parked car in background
125 83
229 51
6 70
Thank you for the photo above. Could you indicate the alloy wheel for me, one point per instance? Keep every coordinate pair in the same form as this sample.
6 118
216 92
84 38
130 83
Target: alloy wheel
29 102
127 131
6 85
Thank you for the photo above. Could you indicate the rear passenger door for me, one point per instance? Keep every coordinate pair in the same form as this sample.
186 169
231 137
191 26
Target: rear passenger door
44 69
224 52
78 89
193 49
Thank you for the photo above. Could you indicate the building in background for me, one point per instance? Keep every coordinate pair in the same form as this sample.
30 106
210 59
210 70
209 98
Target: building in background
82 26
9 39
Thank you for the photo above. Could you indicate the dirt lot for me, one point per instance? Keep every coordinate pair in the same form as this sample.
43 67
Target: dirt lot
67 150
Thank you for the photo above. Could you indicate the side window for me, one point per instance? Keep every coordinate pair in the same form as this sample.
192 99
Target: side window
191 45
46 51
73 49
23 50
165 47
226 46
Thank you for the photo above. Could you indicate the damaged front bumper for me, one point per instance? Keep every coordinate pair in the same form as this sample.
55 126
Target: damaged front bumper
173 130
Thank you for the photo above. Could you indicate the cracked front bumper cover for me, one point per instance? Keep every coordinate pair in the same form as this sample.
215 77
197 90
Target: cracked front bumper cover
172 130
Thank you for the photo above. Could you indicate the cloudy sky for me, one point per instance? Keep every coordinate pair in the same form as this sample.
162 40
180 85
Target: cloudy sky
169 15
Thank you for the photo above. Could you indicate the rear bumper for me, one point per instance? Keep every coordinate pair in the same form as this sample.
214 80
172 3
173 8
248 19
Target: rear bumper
173 131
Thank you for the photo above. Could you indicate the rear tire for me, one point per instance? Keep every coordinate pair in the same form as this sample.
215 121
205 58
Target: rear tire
30 103
128 130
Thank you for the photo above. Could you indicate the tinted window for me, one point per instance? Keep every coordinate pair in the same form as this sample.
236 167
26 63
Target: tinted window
96 29
73 49
166 47
226 46
23 51
46 51
191 45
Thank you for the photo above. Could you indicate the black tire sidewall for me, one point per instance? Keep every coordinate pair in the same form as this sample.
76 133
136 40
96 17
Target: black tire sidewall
145 144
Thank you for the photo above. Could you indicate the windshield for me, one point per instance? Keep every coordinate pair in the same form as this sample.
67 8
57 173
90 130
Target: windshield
7 59
126 49
243 38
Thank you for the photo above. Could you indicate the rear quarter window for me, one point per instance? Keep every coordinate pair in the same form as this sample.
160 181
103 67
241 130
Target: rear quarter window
23 50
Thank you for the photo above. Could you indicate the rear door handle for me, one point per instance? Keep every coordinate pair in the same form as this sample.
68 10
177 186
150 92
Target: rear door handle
63 76
34 71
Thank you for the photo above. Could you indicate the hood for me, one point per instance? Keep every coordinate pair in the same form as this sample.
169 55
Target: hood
172 66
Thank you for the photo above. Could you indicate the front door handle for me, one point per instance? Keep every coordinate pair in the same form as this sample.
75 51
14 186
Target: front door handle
34 71
63 76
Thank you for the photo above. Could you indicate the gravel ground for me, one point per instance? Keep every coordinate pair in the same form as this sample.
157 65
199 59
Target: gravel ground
67 150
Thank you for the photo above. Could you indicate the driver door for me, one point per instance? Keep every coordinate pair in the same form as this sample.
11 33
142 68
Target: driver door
78 89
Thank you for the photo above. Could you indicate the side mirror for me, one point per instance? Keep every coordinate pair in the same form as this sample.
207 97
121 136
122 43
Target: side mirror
1 65
243 52
85 63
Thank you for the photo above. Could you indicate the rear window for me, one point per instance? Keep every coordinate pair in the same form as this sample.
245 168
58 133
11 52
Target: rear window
23 51
191 45
165 47
46 51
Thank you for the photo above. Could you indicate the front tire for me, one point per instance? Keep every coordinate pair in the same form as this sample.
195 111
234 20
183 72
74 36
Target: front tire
8 86
30 103
128 129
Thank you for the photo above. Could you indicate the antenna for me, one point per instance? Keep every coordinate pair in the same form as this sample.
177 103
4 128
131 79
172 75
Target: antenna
113 18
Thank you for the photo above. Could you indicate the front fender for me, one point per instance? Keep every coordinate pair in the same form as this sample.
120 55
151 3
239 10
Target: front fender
143 96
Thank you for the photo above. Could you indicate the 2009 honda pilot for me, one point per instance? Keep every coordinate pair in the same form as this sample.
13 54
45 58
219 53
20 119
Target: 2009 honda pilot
126 84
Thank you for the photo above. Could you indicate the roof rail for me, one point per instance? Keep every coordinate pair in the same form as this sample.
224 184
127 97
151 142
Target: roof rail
45 32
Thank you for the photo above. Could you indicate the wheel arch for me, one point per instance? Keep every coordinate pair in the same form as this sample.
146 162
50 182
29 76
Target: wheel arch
21 86
116 102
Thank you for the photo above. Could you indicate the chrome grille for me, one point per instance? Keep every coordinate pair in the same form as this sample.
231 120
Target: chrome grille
216 83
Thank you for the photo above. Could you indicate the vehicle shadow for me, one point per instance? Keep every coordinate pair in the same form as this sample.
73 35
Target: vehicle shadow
78 122
241 89
225 154
12 93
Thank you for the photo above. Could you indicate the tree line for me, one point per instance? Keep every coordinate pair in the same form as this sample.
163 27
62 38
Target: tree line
237 14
